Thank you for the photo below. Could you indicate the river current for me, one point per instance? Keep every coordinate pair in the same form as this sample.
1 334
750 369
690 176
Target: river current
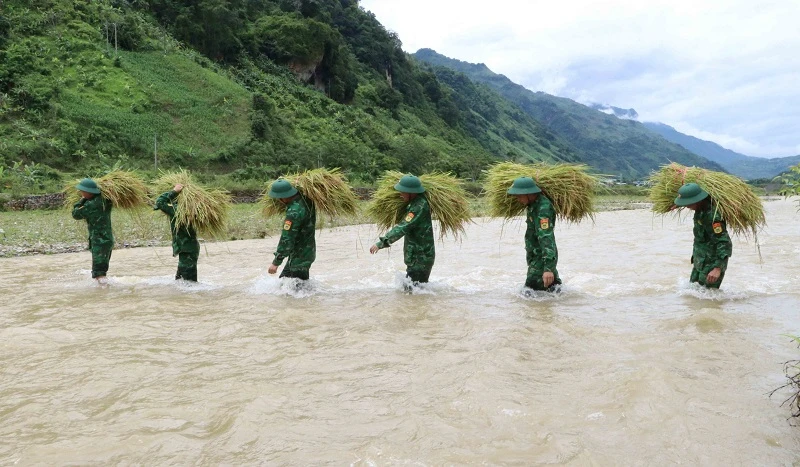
629 365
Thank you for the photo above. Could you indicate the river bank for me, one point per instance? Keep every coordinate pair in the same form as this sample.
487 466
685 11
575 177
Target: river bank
37 232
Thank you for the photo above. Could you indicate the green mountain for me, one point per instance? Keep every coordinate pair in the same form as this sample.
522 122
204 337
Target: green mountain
746 167
240 90
614 146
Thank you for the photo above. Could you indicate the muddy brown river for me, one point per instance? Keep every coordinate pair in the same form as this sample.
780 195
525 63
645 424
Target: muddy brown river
629 365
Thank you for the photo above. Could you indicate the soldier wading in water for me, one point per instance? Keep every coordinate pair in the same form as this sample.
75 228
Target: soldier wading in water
712 245
419 251
184 239
297 237
96 210
540 242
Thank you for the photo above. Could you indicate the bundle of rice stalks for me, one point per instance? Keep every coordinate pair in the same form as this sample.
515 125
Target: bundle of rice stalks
124 189
739 206
204 209
448 200
568 186
327 189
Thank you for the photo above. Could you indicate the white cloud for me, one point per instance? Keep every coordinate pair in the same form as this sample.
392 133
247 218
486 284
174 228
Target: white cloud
723 66
733 143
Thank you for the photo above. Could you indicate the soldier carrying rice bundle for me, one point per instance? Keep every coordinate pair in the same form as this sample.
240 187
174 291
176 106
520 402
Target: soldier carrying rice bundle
92 201
719 200
191 209
544 192
412 203
300 196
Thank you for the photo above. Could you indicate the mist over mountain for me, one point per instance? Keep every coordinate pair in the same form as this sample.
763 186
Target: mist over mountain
616 111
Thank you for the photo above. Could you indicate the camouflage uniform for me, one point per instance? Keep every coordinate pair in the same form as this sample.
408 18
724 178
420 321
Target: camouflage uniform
419 251
184 240
712 246
97 212
297 239
540 244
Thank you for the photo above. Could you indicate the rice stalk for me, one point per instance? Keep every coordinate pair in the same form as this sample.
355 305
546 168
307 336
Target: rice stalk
327 189
737 203
447 198
124 189
201 208
568 186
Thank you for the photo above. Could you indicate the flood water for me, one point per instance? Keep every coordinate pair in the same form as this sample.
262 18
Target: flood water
630 365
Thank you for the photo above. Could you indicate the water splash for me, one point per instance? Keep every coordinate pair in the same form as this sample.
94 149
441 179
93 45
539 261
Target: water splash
285 286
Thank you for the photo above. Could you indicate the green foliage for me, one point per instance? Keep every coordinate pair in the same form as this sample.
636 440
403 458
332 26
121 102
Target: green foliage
310 47
286 38
240 90
21 178
790 181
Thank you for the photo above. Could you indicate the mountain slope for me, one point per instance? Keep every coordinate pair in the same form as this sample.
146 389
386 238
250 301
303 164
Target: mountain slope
747 167
248 92
614 146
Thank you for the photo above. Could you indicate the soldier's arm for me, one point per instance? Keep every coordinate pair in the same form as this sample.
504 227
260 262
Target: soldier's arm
411 218
91 210
77 210
164 202
722 240
547 240
291 227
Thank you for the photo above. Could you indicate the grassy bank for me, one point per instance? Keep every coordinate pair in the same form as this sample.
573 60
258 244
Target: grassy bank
49 232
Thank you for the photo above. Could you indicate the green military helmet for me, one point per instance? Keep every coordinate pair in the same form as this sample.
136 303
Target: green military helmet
409 184
524 186
88 185
690 193
282 189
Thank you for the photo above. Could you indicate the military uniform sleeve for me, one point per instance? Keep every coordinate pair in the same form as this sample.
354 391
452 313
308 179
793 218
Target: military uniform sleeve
547 240
91 210
98 211
77 210
164 202
411 218
291 227
722 241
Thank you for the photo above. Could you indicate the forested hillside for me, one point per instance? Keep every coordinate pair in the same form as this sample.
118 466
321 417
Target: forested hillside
241 89
621 147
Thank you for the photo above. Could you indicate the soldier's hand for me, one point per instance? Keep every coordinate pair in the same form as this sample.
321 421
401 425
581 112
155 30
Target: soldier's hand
373 249
548 278
713 276
178 187
272 269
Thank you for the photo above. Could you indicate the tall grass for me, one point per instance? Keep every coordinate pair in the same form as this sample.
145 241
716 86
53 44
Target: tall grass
737 203
568 186
201 208
124 189
447 198
327 189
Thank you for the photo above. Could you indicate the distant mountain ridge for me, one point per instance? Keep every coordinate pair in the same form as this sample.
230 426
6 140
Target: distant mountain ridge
611 145
743 166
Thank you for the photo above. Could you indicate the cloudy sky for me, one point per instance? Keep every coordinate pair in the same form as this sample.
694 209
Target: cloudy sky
726 71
